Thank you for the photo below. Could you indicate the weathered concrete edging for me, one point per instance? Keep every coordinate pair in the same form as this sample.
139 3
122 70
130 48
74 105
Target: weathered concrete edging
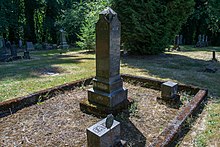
156 84
171 132
12 106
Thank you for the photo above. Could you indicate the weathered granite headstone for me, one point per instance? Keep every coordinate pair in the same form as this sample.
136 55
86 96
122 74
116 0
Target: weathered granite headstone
177 39
2 49
181 40
169 90
199 43
108 86
176 42
99 135
107 90
199 38
1 42
20 43
30 46
26 55
203 38
63 43
206 41
14 50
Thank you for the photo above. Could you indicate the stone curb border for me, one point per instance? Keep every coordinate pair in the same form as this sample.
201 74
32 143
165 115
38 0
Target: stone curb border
165 139
13 105
156 84
172 131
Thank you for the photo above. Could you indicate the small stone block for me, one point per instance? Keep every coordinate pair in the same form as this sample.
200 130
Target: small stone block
99 136
169 90
26 55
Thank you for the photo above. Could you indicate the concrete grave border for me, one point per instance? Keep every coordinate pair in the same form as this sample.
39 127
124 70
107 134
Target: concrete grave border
173 130
13 105
168 135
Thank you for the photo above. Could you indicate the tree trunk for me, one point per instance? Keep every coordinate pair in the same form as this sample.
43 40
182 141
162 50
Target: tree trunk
29 15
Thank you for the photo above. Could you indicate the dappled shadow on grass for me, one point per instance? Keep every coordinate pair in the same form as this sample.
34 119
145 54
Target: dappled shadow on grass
180 68
23 69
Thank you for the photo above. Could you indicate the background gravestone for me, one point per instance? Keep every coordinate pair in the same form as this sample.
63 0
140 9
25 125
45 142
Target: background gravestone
206 40
3 51
20 44
176 43
63 43
14 50
30 46
200 38
199 43
107 90
181 40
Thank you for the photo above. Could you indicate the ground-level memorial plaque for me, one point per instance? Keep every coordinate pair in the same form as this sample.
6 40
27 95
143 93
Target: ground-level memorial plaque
99 135
107 94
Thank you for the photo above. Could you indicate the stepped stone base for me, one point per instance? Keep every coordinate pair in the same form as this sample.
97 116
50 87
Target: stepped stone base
103 111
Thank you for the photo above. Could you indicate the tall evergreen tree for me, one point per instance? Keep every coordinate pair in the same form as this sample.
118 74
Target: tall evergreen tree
148 26
30 6
204 20
52 11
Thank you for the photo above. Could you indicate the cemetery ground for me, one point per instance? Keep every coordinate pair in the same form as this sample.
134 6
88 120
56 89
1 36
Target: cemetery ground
50 68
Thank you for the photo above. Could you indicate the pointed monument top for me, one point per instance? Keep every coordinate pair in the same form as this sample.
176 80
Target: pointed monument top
108 13
108 10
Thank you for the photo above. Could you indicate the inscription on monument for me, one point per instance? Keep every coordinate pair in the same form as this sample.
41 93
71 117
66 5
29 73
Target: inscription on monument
99 128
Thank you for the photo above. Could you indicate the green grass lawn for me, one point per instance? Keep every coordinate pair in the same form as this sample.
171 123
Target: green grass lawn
23 77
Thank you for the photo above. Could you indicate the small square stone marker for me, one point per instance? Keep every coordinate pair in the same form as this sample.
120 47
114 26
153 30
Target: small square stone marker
169 90
99 135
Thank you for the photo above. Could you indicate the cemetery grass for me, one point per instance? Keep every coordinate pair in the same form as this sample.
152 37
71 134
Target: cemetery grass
45 69
187 66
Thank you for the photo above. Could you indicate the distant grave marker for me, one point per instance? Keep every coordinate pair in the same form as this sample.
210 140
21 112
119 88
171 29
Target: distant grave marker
14 50
176 45
30 46
3 50
63 43
181 40
202 41
20 43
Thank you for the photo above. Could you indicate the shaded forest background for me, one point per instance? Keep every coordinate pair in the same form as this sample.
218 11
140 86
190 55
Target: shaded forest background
148 26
